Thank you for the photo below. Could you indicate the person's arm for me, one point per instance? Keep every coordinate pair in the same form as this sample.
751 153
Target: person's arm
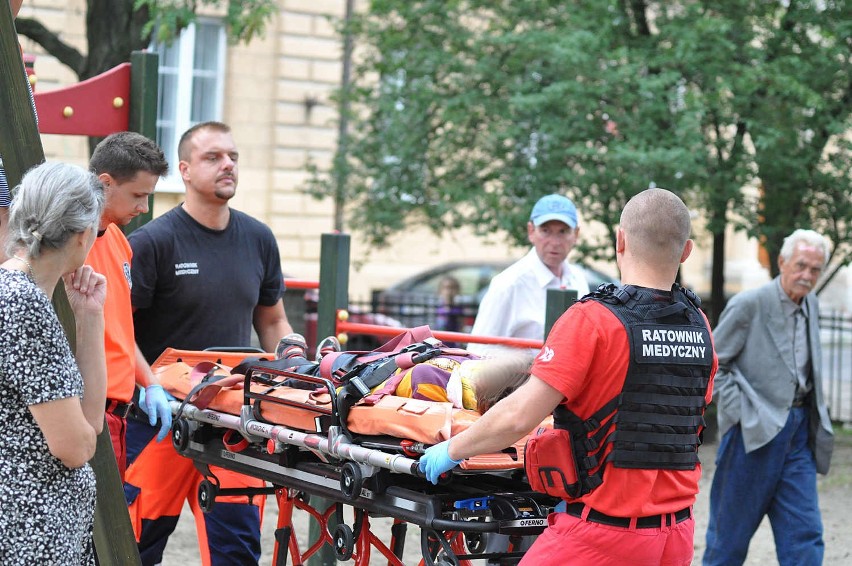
732 330
153 399
508 421
270 323
70 437
70 426
16 6
144 375
86 291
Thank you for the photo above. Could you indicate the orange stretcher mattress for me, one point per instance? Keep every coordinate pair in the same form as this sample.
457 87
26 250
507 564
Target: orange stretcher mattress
429 422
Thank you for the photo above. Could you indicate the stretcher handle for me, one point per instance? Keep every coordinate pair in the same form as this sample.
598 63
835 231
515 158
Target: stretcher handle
322 382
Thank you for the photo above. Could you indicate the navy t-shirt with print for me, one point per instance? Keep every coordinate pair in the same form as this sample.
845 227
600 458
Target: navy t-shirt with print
196 288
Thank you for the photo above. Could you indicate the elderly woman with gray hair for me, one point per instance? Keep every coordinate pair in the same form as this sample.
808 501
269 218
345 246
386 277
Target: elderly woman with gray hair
52 405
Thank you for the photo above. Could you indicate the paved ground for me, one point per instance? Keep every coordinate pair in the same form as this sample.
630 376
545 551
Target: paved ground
835 501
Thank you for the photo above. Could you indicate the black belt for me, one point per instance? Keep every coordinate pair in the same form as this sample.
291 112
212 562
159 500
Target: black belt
118 408
650 522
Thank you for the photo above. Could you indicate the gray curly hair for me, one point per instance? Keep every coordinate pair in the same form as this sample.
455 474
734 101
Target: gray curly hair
53 201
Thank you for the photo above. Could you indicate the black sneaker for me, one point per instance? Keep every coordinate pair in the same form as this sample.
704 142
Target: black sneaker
291 346
326 346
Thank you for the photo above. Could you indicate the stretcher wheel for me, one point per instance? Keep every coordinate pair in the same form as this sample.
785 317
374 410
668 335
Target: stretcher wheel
351 481
180 435
344 542
207 491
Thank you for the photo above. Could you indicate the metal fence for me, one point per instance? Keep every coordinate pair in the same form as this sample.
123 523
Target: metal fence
836 333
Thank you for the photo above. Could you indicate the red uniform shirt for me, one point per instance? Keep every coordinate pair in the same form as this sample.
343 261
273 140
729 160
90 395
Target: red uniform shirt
585 358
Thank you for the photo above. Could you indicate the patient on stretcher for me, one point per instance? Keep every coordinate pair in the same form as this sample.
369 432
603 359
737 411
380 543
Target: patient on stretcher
426 401
455 376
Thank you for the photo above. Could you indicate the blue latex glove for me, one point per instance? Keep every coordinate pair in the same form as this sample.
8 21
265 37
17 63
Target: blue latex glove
154 402
436 460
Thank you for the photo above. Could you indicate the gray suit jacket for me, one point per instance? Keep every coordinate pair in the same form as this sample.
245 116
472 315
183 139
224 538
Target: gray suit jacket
756 380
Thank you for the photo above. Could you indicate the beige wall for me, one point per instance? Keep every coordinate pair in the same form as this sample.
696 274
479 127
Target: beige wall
277 92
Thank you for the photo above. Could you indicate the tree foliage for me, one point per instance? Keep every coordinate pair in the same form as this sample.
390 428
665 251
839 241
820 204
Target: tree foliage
244 19
464 112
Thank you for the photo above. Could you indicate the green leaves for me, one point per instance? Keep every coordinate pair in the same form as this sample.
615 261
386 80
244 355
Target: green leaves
466 112
244 19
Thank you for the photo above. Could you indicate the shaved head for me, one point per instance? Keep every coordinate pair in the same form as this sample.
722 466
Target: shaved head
657 225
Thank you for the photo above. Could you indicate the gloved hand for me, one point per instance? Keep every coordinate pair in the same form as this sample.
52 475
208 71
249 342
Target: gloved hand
436 460
154 402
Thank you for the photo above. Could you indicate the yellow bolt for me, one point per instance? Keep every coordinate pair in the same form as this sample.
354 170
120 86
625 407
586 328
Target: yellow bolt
117 102
342 315
33 79
343 338
67 111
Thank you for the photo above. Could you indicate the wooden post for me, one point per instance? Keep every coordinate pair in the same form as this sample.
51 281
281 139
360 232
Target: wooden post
333 295
20 146
115 542
144 79
558 301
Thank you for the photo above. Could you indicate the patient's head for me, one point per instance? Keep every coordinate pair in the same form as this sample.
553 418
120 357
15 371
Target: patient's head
499 376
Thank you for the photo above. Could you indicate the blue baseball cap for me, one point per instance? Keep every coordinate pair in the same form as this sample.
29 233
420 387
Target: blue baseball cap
554 207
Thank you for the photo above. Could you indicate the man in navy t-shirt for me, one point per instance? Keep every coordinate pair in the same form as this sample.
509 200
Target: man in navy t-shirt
203 275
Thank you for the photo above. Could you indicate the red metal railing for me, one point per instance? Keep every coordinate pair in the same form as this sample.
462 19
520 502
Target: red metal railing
301 284
344 326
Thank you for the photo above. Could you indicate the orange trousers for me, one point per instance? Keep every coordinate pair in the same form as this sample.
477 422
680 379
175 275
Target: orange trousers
157 483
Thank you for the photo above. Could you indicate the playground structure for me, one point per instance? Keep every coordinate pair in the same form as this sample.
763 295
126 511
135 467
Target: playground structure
122 99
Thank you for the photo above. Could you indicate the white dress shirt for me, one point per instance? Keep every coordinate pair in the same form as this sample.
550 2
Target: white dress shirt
514 305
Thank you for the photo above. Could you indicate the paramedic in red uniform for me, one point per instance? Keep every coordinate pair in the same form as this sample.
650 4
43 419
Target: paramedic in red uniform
203 274
642 353
128 165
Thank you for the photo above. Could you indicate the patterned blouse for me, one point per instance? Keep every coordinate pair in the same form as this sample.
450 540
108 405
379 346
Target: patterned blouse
46 508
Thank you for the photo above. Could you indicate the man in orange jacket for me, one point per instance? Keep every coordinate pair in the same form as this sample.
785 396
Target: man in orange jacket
128 165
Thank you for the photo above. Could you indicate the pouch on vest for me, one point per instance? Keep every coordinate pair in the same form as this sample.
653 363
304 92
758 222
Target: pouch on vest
549 464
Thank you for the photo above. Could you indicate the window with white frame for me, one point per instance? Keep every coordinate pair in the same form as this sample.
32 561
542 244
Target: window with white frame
191 85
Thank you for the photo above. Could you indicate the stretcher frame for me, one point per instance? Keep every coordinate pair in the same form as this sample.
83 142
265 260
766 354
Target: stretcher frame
375 476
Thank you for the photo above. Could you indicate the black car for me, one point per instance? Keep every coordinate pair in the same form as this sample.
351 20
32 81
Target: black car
414 301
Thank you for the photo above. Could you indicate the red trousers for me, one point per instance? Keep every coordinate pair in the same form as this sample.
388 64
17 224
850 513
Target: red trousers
571 541
117 431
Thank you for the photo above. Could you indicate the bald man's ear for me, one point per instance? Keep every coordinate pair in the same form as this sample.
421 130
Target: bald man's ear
687 249
619 241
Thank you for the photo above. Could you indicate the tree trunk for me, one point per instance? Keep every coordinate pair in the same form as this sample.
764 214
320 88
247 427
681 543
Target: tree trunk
717 278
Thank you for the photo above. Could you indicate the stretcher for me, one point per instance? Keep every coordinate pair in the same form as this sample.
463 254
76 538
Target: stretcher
288 429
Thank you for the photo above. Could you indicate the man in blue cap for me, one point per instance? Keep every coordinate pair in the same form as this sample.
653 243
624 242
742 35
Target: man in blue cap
514 304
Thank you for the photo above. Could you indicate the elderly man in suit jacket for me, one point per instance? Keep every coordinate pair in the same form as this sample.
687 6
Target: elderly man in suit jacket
776 430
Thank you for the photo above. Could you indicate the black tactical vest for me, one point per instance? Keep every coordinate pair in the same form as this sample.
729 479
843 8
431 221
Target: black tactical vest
654 422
